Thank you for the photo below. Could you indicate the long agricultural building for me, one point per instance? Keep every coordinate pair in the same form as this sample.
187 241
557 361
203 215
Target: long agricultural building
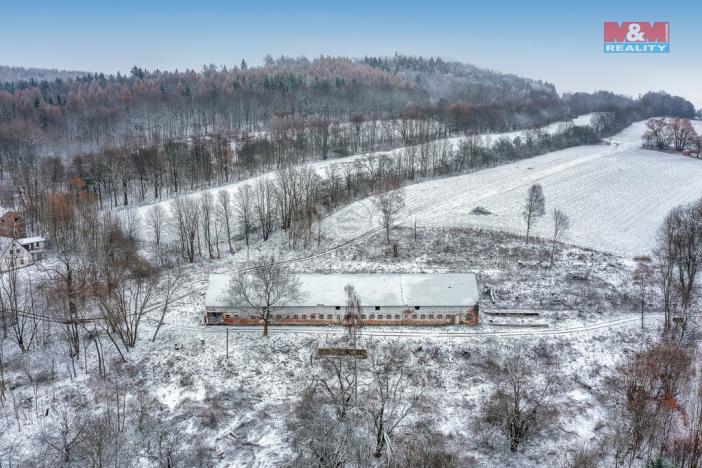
386 299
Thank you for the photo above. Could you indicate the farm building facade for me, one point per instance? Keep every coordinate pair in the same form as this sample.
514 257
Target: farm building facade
386 299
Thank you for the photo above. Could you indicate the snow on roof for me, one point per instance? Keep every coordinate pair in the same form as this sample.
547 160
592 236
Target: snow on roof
30 240
386 290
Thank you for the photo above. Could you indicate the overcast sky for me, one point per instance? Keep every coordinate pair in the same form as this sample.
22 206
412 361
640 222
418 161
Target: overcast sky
560 42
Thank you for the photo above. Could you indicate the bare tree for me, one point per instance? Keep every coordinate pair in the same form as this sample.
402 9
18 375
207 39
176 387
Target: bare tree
657 134
224 200
678 255
123 301
170 286
263 195
389 400
17 302
646 391
64 433
207 216
521 403
561 222
682 132
389 205
186 214
696 145
642 277
322 440
244 209
263 288
534 208
155 218
69 278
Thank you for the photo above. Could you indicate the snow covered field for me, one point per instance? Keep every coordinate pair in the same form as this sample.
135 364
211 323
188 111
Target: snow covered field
615 195
320 166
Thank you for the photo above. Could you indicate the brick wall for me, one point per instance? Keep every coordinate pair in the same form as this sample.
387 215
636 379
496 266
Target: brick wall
472 320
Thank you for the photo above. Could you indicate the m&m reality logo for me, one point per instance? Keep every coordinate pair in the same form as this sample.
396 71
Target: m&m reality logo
637 37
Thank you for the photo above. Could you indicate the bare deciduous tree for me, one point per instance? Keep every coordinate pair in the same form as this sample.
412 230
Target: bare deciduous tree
389 401
155 219
389 205
521 403
244 209
170 286
124 299
207 216
263 288
64 433
534 208
186 214
642 277
647 392
224 200
561 222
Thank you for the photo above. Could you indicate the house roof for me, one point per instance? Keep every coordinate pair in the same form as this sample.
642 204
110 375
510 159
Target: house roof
385 290
30 240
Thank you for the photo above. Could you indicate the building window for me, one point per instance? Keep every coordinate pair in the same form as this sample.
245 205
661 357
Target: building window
236 315
414 316
380 316
227 316
337 308
313 316
295 316
363 316
338 317
377 307
330 316
431 317
416 307
397 317
304 317
423 316
439 316
372 316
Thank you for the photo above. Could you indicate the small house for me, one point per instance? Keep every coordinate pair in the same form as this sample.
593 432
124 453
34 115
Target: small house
13 255
36 246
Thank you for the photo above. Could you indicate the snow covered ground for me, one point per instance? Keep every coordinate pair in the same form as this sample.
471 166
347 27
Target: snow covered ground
616 195
320 166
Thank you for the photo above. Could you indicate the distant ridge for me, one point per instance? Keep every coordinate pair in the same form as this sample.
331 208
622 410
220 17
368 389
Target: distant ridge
9 74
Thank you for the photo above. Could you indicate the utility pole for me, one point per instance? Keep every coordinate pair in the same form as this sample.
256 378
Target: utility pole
227 343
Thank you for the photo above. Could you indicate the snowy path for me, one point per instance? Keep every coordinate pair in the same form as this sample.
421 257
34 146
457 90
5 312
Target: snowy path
615 195
418 332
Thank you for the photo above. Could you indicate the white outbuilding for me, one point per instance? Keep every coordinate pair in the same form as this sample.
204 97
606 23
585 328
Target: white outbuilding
13 255
386 299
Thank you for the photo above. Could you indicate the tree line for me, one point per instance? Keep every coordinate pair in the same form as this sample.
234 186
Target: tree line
677 134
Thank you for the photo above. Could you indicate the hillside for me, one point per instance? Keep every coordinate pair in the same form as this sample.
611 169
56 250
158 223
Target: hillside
95 112
612 194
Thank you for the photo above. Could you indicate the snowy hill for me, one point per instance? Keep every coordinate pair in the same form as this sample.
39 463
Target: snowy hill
615 195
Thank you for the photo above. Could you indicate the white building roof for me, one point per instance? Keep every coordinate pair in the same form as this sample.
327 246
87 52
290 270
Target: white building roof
30 240
385 290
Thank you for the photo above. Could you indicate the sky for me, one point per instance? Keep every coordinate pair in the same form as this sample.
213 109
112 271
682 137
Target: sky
555 41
